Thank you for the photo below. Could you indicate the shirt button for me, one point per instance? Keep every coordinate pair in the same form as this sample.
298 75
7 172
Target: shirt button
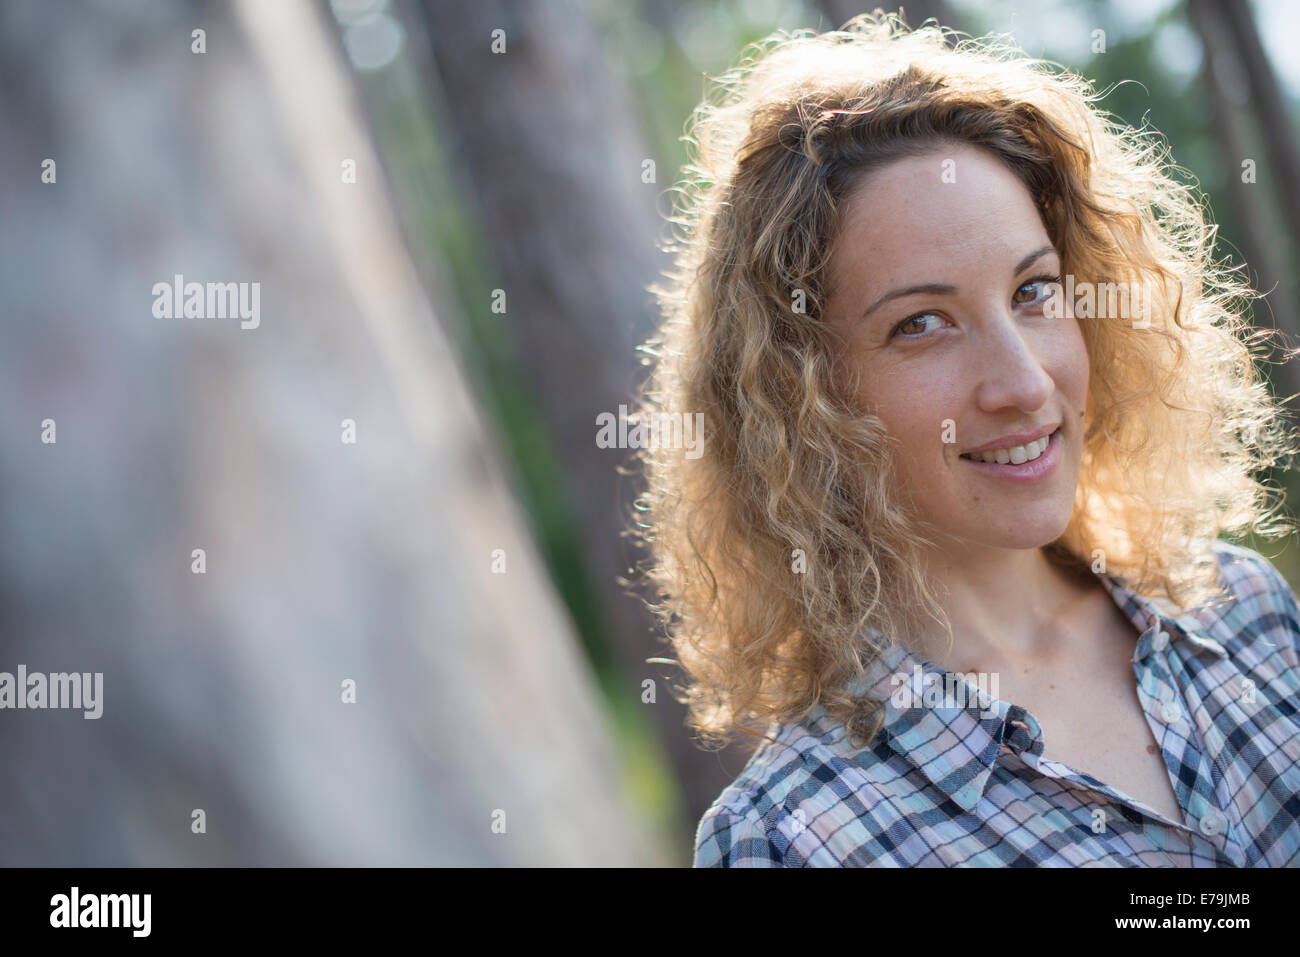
1161 641
1170 712
1213 823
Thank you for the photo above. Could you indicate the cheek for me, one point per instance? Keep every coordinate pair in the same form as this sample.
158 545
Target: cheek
916 417
1074 365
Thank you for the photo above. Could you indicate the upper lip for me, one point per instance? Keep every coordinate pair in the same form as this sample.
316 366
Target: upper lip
1011 441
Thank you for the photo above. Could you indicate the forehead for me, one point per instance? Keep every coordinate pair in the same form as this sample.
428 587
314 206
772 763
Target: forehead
951 206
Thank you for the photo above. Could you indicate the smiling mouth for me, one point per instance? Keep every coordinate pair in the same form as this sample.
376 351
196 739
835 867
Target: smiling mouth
1015 455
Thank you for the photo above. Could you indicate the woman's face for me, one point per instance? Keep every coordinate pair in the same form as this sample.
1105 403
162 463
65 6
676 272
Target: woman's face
938 283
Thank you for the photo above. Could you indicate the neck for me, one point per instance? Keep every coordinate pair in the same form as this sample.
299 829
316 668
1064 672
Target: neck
1005 604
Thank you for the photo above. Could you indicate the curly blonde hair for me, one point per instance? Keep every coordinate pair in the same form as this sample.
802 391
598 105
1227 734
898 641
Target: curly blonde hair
782 556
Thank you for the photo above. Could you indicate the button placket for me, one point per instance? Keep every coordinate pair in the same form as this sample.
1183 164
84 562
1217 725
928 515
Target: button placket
1212 823
1169 710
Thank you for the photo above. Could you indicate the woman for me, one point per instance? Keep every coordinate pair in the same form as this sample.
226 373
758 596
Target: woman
977 409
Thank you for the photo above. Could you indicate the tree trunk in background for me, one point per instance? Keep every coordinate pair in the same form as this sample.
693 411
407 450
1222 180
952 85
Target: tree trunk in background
326 562
1278 133
551 147
1274 117
1265 259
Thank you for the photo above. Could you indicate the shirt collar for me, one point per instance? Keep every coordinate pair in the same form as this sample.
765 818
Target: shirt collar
955 736
1151 616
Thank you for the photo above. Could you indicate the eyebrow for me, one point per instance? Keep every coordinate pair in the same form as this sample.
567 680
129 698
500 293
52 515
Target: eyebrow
946 289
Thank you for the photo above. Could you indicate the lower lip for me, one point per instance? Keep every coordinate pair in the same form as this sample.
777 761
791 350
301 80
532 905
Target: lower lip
1040 467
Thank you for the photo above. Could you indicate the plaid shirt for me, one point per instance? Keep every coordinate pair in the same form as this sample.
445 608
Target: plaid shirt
954 786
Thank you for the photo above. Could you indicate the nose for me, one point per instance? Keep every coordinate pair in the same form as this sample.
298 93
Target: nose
1011 373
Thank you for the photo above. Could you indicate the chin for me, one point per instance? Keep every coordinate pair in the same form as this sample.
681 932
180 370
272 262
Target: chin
1035 537
1021 534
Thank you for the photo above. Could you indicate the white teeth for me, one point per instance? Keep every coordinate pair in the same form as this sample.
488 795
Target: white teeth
1018 455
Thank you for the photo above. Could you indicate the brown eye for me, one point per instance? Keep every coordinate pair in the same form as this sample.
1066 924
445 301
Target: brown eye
1039 281
907 325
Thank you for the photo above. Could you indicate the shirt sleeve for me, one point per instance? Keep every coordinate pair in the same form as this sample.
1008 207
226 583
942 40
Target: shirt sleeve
1269 602
729 837
1284 601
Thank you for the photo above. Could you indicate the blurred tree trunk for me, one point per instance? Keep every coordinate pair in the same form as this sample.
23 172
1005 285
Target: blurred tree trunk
476 737
552 150
1271 110
1265 259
